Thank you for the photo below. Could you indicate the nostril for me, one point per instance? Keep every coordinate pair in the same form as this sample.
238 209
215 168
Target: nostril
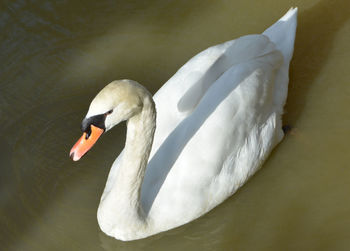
88 132
71 155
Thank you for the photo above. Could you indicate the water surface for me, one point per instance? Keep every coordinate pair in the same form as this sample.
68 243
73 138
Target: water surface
56 55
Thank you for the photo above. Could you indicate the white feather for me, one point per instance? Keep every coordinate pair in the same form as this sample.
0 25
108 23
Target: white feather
218 118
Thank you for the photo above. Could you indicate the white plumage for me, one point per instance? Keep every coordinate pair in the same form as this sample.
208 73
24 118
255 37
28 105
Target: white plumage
217 119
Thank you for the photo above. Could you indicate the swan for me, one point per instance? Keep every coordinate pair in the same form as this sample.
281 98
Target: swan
217 118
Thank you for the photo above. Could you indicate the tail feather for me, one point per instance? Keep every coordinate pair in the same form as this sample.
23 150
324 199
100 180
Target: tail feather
282 33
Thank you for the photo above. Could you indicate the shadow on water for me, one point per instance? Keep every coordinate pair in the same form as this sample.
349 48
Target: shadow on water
317 28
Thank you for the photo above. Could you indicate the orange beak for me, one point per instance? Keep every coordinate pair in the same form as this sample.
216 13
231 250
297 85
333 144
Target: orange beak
84 144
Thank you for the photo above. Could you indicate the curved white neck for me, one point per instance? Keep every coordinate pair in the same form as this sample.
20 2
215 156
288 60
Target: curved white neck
139 138
121 209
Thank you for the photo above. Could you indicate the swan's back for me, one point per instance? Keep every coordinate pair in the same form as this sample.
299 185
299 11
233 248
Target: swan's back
178 97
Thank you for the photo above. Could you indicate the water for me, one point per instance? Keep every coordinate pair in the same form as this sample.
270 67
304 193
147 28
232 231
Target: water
56 55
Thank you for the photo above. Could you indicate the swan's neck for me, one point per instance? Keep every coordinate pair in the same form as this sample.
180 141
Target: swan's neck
122 208
139 138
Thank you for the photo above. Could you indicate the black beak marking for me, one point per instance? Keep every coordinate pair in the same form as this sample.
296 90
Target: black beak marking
97 120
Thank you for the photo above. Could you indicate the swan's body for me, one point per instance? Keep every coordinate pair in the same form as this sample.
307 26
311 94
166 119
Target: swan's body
217 120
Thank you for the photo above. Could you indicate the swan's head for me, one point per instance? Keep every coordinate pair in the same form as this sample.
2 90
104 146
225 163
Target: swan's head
118 101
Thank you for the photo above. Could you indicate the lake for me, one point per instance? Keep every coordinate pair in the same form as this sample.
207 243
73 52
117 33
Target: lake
56 55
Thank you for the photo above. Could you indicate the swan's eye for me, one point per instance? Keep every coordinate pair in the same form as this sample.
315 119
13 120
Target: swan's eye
109 112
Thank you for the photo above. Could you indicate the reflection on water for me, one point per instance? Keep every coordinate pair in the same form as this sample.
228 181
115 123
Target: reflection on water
55 56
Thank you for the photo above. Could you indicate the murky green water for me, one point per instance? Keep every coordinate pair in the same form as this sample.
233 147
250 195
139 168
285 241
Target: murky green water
55 56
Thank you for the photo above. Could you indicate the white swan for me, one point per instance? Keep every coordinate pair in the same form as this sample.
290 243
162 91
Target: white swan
217 120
